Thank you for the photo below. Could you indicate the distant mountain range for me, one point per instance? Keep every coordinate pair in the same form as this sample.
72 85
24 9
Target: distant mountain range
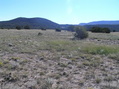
112 25
33 23
101 23
38 23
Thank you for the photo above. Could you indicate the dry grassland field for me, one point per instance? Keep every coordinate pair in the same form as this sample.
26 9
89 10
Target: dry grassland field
52 60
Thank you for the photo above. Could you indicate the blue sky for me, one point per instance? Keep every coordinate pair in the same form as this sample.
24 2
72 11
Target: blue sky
61 11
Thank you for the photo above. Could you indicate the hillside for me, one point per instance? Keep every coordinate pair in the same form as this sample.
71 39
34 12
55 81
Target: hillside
112 25
38 23
33 23
102 23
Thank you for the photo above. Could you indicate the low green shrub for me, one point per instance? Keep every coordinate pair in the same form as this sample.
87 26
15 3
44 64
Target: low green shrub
39 34
44 29
80 32
58 30
18 27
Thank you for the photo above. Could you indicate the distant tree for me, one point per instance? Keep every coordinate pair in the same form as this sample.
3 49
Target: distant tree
114 30
26 27
95 29
1 27
58 30
71 28
44 29
105 30
80 32
18 27
100 30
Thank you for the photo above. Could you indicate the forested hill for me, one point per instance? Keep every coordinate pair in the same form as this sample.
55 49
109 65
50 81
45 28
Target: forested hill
33 23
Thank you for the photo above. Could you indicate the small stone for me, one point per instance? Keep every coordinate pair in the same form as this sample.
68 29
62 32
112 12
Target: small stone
54 85
10 44
42 58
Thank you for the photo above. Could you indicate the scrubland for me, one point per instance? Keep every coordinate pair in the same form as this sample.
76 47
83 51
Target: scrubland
52 60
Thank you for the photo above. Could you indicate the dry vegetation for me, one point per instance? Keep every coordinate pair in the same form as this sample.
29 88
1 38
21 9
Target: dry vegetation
52 60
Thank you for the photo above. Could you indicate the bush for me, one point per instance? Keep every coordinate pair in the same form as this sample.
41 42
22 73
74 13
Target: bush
71 28
58 30
80 32
43 29
39 34
100 30
2 28
106 30
114 30
26 27
95 29
18 27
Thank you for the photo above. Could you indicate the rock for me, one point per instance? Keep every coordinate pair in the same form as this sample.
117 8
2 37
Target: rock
10 44
41 58
54 85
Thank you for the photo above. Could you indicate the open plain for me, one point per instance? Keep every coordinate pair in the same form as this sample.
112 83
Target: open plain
35 59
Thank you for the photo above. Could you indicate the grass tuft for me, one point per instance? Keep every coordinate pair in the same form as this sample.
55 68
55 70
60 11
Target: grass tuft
101 49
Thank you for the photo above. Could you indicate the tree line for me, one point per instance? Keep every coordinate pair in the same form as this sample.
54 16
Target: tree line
100 30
